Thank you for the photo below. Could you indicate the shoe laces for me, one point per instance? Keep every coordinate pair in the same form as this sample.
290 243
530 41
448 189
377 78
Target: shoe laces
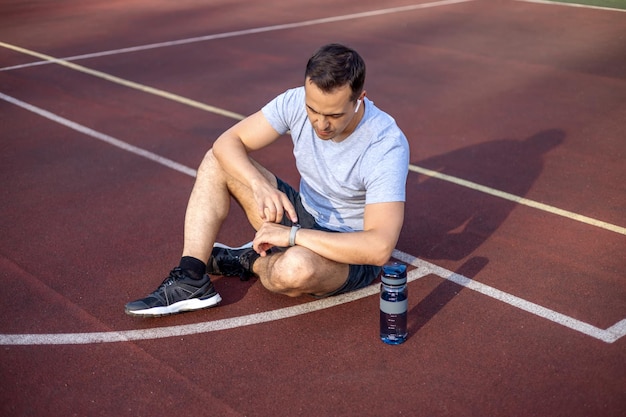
175 275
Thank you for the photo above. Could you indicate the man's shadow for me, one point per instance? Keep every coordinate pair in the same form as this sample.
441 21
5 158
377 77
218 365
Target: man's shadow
446 221
449 221
430 305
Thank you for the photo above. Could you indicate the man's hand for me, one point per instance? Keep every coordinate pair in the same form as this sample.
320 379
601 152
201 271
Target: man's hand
272 203
269 235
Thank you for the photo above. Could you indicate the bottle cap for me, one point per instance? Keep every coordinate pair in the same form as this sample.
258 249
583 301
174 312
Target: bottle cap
394 274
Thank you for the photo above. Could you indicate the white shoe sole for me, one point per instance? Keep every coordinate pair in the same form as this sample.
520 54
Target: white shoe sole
179 307
221 245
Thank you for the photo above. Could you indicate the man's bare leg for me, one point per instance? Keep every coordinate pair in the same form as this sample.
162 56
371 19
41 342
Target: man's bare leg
208 206
292 272
298 271
186 288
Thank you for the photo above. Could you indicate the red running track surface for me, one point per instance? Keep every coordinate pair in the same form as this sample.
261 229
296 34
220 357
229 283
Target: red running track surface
516 307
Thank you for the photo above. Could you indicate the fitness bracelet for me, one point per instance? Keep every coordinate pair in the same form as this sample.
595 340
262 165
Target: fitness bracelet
292 234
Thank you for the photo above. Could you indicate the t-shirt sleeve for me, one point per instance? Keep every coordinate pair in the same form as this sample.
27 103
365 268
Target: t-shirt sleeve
282 111
387 168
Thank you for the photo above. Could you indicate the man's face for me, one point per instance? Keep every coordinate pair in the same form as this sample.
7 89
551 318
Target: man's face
332 114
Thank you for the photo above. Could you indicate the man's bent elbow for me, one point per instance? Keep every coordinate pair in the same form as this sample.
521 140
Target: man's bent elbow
383 255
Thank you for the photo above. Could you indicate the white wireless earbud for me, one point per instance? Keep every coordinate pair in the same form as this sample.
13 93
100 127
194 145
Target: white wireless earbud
358 104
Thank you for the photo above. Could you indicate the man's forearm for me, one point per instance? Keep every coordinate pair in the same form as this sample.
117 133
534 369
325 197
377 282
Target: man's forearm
366 247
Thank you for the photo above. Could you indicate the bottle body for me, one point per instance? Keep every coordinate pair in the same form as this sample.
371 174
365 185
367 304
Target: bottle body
394 304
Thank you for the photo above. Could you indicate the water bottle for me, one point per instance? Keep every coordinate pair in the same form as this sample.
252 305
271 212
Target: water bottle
393 304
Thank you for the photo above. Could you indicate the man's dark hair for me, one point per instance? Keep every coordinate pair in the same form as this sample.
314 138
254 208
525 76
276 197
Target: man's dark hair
334 66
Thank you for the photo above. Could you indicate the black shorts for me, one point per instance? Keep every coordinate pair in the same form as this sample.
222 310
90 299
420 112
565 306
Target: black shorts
359 276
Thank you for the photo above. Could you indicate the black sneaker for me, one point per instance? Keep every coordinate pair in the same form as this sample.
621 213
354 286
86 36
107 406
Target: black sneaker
178 293
232 262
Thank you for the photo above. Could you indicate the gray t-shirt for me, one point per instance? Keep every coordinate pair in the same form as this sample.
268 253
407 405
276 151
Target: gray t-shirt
339 179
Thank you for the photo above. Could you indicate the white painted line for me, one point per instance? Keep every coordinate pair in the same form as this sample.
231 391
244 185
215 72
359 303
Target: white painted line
244 32
520 200
127 83
236 116
183 330
610 335
584 6
183 100
423 268
175 165
101 136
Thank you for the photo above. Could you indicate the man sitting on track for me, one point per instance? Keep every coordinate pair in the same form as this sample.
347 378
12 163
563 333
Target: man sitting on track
330 237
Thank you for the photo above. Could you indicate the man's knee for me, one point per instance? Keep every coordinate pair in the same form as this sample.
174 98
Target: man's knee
209 161
292 272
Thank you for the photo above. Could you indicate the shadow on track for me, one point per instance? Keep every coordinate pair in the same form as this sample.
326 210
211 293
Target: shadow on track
428 307
448 221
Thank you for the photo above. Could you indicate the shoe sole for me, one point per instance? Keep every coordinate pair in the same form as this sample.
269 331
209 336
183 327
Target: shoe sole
221 245
179 307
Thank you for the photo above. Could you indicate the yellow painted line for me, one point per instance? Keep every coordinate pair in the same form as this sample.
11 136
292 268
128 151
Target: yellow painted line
253 31
519 200
126 83
237 116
